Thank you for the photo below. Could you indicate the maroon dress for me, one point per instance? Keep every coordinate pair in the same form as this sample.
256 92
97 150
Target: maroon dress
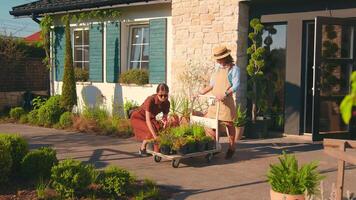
138 117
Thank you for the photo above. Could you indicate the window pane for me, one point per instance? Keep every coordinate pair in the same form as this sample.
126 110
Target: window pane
78 40
86 37
144 65
136 36
78 54
77 64
146 35
145 53
336 41
135 52
134 65
86 53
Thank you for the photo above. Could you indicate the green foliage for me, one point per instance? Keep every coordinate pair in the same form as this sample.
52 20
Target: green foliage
69 93
71 177
50 112
5 162
129 105
45 25
116 182
287 178
66 120
41 189
81 74
38 102
349 101
38 163
23 119
33 117
18 147
198 131
134 76
15 113
255 68
241 117
96 113
148 191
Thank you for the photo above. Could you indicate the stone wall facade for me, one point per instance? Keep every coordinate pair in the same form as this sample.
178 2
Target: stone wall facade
201 25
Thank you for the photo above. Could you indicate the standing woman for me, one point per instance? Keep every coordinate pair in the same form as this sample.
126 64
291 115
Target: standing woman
223 83
143 120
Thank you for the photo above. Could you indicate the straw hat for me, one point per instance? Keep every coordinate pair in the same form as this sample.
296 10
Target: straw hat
221 52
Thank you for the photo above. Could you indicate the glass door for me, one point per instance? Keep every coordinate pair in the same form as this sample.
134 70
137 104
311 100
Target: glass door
334 60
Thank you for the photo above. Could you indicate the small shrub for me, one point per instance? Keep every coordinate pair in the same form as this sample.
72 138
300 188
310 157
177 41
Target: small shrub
71 177
116 182
15 113
5 162
33 117
38 163
66 120
41 189
18 148
38 102
23 119
81 74
124 128
108 127
50 112
135 76
96 113
128 106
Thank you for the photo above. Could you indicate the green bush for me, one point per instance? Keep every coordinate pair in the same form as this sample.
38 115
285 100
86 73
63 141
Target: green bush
33 117
81 74
116 182
96 113
23 119
15 113
66 120
38 163
129 105
149 190
5 162
70 178
18 148
135 76
50 112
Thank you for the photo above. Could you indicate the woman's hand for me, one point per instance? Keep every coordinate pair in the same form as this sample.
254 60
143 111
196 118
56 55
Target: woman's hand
220 97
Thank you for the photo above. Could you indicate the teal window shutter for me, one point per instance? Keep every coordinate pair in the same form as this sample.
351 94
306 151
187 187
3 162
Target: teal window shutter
158 43
96 53
59 51
112 52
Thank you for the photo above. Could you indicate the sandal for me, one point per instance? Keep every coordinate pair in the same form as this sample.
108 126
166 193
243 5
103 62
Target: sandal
229 154
142 152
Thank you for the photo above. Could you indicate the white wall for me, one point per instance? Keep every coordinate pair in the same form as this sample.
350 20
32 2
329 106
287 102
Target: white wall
109 93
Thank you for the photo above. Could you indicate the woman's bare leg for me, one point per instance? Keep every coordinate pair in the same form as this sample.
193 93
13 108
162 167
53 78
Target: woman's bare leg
232 135
143 145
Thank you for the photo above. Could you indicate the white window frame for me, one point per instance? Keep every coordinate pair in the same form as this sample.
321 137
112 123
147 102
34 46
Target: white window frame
131 27
74 46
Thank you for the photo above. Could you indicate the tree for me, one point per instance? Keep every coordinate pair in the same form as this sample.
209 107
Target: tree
69 93
255 69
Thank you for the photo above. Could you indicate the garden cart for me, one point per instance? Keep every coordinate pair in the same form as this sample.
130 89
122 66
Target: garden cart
204 121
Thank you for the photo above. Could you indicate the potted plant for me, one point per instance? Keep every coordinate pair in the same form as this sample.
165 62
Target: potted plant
289 182
257 82
209 141
179 145
240 120
165 144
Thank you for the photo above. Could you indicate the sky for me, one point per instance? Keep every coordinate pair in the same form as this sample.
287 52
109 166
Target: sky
20 27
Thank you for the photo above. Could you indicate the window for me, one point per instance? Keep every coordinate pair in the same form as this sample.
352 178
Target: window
81 49
139 47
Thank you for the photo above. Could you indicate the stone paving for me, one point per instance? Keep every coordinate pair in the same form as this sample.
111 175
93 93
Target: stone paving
242 178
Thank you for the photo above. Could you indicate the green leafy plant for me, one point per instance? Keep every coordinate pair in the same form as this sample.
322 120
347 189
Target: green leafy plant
50 112
349 101
15 113
149 190
41 187
128 106
69 93
18 147
70 178
46 23
38 102
241 117
23 119
198 131
33 117
97 113
134 76
287 178
66 120
81 74
255 69
116 182
5 162
38 163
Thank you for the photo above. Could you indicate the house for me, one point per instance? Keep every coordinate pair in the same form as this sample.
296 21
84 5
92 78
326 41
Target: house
176 31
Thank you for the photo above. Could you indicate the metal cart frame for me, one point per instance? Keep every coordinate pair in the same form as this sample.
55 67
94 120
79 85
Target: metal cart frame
207 122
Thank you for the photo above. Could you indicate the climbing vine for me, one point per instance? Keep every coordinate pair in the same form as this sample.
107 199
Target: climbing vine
45 25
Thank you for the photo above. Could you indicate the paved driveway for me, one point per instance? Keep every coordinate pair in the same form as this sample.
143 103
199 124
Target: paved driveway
242 178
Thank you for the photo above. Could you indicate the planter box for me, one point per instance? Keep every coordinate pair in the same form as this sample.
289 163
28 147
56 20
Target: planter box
258 129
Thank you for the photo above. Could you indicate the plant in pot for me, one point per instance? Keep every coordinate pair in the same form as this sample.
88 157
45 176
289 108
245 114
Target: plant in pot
165 144
173 119
179 145
191 144
209 141
240 120
257 81
289 182
198 132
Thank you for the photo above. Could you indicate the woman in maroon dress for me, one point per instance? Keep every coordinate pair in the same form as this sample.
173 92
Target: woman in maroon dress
143 120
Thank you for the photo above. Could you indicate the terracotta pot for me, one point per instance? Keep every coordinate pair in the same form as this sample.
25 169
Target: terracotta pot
280 196
239 132
156 147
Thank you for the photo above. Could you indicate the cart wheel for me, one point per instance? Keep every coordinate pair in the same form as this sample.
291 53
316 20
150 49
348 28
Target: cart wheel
209 157
175 163
157 158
